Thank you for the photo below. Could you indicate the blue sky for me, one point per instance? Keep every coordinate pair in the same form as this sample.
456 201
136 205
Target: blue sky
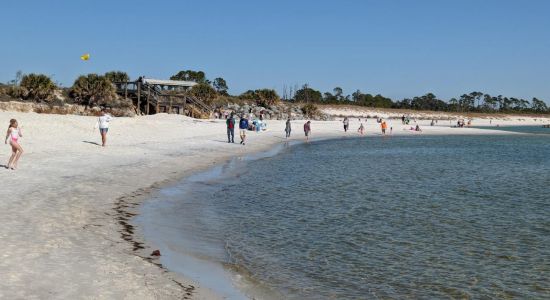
399 48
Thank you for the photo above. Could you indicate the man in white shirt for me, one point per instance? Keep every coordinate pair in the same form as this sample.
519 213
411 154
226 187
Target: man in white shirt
103 123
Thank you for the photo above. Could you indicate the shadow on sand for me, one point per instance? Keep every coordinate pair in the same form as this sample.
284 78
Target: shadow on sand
93 143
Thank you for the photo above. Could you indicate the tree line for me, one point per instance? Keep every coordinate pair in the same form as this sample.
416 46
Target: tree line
471 102
95 89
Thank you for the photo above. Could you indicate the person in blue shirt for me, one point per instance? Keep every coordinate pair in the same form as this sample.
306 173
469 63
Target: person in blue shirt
243 127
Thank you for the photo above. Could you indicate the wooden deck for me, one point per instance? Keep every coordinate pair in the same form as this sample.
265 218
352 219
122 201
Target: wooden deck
151 99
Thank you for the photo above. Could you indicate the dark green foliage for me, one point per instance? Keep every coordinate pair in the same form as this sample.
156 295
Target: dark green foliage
267 97
262 97
220 85
248 95
190 75
310 110
472 102
37 87
204 92
372 101
307 94
117 76
428 102
538 105
93 90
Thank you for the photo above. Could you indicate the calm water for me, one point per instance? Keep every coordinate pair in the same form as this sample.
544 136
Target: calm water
408 217
522 129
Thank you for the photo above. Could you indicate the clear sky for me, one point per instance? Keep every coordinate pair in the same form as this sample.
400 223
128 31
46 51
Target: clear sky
399 48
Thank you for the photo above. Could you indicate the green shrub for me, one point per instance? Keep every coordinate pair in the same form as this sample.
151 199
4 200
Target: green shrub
262 97
36 87
204 92
93 90
117 76
267 97
310 110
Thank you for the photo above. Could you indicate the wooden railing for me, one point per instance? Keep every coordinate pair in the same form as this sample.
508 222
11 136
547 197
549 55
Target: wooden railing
154 96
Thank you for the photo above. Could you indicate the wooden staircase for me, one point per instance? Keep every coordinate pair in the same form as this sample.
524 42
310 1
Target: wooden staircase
147 98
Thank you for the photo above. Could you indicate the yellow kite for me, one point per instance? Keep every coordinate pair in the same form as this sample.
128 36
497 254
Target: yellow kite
85 56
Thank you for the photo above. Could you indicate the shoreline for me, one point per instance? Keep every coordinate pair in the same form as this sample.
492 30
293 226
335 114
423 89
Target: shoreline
61 219
222 277
247 286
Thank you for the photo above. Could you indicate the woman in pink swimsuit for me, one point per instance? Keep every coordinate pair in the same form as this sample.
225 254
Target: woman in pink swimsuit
12 137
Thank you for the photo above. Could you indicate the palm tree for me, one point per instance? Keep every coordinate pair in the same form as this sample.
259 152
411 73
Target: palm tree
267 97
93 89
37 87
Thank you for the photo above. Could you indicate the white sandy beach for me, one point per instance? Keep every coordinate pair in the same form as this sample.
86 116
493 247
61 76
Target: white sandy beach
61 231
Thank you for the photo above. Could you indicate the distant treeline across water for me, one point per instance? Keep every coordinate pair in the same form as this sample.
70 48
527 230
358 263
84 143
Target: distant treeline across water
472 102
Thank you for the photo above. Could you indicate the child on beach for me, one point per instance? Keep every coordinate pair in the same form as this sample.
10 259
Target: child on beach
12 137
361 129
103 123
307 130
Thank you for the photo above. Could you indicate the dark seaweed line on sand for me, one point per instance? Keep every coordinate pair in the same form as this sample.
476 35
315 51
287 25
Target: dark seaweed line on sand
125 208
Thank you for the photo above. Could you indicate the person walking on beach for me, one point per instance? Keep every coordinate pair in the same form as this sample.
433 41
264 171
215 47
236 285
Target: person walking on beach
307 130
12 137
361 129
288 128
384 125
103 124
243 127
346 124
230 122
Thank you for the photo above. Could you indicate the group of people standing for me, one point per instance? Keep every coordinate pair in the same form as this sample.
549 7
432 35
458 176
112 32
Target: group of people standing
361 129
245 125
